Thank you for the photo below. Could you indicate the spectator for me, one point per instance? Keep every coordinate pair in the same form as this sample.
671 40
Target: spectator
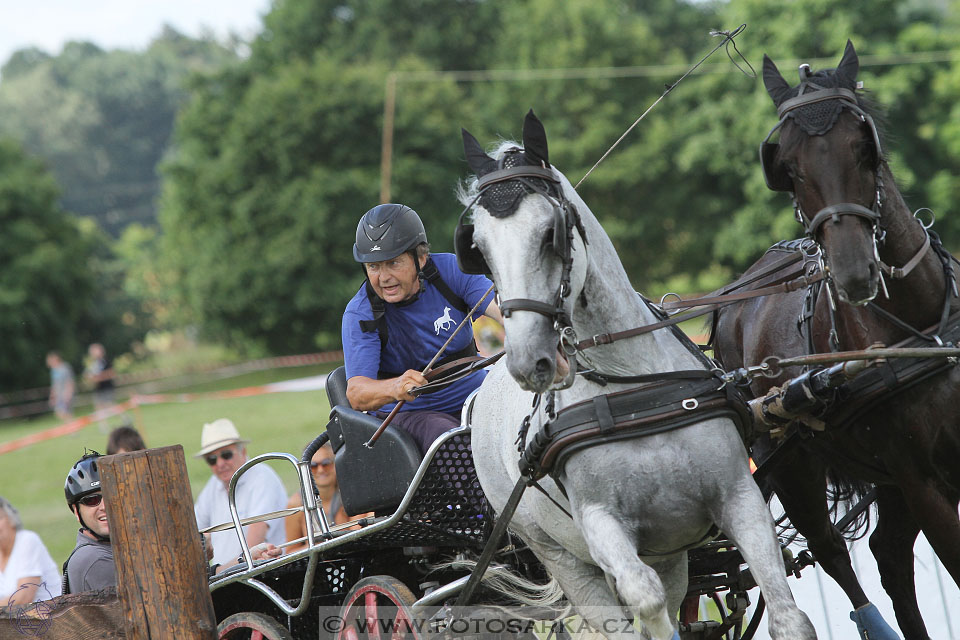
124 439
27 572
90 566
259 491
99 373
62 386
324 474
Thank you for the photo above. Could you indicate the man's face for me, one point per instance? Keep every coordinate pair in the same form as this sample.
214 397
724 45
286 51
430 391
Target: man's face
226 460
394 280
322 467
93 510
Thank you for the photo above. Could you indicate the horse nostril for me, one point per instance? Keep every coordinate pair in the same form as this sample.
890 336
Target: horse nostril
542 372
542 367
872 268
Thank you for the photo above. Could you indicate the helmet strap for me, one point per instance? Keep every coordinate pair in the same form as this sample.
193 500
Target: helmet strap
84 527
416 262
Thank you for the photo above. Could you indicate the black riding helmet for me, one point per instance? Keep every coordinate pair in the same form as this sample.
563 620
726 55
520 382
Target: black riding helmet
386 231
82 480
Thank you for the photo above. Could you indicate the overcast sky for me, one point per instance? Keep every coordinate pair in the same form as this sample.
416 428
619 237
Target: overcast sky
127 24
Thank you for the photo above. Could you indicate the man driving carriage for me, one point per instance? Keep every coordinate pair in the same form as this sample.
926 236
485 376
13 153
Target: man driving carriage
409 305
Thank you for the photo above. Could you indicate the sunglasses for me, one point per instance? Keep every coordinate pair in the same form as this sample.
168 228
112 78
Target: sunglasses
326 462
212 459
92 500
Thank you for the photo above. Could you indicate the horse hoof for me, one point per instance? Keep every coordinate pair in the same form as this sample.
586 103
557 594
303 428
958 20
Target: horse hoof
871 624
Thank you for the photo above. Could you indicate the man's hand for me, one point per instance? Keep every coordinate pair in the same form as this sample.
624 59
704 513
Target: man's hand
403 385
265 550
367 394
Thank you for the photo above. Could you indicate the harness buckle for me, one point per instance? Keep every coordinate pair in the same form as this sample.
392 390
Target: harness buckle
602 338
568 341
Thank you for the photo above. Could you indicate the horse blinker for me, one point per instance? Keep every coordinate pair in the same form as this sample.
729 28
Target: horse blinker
469 257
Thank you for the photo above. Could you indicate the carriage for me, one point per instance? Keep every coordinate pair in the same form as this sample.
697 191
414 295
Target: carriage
414 558
403 569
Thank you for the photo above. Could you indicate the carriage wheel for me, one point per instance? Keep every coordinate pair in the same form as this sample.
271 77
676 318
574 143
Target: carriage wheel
378 607
248 625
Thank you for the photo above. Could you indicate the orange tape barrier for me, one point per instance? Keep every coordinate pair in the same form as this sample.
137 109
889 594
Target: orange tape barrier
17 403
67 427
135 401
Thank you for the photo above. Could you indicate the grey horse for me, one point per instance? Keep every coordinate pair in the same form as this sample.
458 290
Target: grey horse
638 504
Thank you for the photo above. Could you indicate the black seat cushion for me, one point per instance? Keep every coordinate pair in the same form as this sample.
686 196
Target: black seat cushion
336 385
369 479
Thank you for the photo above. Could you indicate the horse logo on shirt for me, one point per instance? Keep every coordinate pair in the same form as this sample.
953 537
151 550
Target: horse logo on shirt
443 322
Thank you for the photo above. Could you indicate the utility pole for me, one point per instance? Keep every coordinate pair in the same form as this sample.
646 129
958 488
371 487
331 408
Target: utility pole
386 145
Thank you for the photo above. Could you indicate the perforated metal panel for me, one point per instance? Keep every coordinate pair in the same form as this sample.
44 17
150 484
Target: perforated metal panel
448 508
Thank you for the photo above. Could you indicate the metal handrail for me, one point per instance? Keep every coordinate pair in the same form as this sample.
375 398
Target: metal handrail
314 549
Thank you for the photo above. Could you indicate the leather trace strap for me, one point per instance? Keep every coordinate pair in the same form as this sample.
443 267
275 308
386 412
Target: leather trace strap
801 282
451 372
710 305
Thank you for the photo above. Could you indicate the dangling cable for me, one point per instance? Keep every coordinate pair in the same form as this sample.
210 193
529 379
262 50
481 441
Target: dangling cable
728 37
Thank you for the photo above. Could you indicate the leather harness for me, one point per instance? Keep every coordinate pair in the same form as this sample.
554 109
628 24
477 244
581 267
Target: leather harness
379 323
665 401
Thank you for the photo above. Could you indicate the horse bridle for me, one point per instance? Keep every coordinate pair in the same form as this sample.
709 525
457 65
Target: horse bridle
542 181
833 212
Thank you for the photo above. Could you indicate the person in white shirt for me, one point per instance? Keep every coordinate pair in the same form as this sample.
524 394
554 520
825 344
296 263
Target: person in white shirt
27 572
259 491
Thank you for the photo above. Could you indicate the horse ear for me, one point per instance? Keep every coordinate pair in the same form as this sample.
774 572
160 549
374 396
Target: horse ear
477 158
849 65
535 139
776 86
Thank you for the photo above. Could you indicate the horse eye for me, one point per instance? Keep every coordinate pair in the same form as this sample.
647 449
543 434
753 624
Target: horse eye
867 153
793 170
547 239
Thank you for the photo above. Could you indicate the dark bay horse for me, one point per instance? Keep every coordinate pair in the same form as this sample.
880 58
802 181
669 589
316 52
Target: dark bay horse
887 279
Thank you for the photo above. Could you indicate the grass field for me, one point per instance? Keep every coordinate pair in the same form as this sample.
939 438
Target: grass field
32 477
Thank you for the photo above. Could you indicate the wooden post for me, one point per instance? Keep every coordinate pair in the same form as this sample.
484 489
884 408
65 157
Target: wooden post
161 571
386 142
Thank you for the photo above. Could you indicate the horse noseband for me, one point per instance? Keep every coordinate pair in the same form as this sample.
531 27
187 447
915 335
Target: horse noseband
834 211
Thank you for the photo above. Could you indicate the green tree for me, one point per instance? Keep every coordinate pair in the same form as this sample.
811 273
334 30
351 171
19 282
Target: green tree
47 282
103 119
266 187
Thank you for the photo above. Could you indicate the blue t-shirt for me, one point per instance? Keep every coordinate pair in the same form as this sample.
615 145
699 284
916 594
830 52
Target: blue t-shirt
416 331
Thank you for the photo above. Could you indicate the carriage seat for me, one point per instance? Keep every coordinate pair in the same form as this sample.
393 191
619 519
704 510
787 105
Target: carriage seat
369 479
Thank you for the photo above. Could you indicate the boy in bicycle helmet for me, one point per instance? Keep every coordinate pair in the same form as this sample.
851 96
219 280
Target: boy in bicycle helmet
90 566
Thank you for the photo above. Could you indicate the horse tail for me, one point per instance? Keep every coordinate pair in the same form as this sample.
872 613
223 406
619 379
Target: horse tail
845 492
515 587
